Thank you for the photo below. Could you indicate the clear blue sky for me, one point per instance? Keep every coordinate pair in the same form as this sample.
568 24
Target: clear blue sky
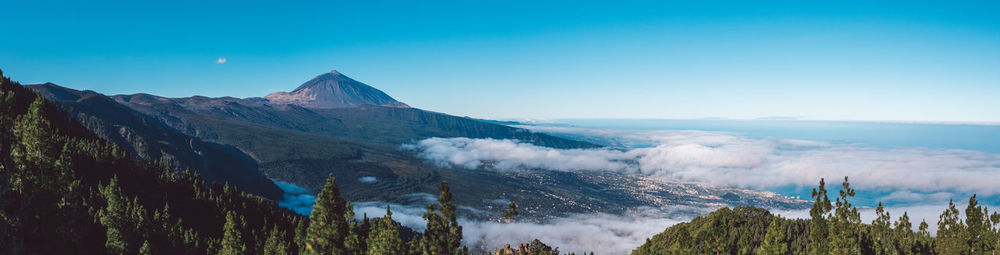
866 60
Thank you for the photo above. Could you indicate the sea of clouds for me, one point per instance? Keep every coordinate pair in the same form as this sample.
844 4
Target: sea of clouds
600 233
726 159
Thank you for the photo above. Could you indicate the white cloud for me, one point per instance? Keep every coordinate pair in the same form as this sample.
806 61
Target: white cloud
802 143
368 179
726 159
905 196
220 61
513 155
579 233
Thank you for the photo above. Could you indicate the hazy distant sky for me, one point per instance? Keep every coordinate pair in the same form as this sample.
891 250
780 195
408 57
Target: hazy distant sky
899 60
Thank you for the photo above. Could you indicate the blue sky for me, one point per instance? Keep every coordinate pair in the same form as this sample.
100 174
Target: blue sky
866 60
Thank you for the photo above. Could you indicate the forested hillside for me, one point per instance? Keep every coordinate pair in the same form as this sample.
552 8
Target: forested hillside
834 228
145 138
66 191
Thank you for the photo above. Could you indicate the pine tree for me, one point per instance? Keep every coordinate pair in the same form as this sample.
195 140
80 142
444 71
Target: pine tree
511 211
774 240
126 221
924 240
443 234
300 235
232 242
684 243
845 224
146 249
36 146
432 241
328 228
903 234
881 229
448 213
276 244
951 234
169 234
384 238
976 225
363 229
354 243
818 225
9 238
69 216
747 243
114 217
716 233
7 117
993 233
192 242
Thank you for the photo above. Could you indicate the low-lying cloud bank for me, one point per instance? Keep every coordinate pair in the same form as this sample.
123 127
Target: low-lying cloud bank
514 155
600 233
719 158
368 179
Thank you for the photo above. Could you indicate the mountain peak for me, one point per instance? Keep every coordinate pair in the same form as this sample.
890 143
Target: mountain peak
334 90
327 79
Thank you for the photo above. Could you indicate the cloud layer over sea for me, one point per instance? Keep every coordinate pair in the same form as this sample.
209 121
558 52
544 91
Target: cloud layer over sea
727 159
